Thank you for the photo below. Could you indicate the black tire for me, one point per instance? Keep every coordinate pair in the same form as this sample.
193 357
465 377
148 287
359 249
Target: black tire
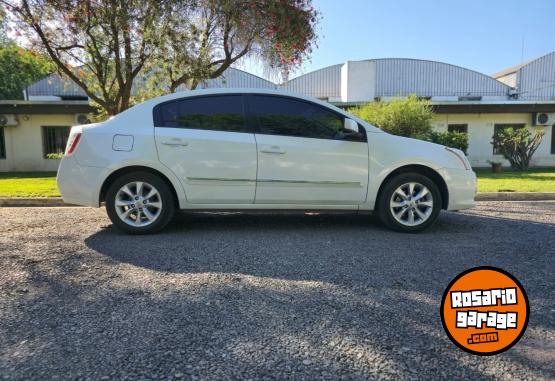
385 212
167 200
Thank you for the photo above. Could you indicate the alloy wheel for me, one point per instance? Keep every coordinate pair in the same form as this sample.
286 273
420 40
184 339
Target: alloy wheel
138 203
411 204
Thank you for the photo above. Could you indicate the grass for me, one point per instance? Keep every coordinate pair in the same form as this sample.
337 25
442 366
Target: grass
43 184
534 180
28 184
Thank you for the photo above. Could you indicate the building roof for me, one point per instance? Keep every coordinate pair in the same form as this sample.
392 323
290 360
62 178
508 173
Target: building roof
45 107
55 85
381 78
509 70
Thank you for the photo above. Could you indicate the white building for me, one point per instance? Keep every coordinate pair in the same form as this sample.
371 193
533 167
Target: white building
463 100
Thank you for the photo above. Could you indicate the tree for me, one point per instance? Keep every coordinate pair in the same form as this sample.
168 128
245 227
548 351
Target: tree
410 117
517 145
19 68
104 46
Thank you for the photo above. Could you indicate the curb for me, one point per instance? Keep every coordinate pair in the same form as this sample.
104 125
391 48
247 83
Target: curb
32 201
482 196
515 196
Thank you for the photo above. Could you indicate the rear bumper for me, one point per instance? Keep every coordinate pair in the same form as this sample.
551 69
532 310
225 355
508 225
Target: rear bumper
461 184
80 185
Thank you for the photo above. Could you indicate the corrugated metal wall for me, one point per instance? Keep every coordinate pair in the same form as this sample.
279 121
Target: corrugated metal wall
394 77
402 77
238 79
55 85
536 80
322 83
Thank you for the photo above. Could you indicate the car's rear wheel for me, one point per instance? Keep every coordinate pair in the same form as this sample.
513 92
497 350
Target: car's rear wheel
140 203
409 202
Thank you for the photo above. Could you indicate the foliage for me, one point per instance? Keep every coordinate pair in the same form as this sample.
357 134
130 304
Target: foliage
517 145
108 46
57 155
410 117
452 139
19 68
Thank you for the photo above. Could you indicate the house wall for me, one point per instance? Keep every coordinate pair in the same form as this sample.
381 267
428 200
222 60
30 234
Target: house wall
24 145
480 133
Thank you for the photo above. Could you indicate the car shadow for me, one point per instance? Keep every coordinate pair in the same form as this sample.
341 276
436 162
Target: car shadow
355 258
252 296
330 246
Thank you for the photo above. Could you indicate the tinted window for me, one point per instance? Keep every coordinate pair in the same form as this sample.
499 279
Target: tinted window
54 139
457 128
221 113
290 117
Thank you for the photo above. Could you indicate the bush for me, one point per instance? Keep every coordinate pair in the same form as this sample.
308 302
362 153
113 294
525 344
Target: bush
410 117
517 145
58 155
453 139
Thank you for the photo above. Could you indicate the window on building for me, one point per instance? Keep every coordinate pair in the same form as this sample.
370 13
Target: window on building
292 117
218 113
553 139
458 128
54 139
500 127
2 144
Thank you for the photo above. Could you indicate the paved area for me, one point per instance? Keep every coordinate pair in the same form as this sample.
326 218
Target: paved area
262 296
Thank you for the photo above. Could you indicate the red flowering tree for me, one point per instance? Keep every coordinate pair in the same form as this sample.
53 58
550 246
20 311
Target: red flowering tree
104 46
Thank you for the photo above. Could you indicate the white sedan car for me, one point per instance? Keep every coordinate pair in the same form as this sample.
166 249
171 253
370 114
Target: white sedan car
256 149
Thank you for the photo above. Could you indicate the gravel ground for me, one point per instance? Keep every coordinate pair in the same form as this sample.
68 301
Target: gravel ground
262 296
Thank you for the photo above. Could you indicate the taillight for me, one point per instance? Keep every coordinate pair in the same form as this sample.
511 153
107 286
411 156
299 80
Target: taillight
72 143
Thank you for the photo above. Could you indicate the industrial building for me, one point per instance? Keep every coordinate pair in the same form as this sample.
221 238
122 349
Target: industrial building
463 99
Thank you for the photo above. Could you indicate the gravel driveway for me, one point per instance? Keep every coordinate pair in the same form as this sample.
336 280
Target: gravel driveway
262 296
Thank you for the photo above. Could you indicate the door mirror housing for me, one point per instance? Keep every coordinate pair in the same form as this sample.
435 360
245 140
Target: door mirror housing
350 125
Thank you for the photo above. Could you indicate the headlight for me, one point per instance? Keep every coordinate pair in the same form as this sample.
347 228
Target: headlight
460 155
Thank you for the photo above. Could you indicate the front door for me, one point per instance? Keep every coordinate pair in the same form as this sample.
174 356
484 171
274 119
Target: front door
206 142
303 157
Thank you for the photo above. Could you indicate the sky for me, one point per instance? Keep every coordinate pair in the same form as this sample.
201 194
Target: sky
483 35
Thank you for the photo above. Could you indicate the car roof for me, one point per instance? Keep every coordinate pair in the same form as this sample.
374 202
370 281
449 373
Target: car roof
217 91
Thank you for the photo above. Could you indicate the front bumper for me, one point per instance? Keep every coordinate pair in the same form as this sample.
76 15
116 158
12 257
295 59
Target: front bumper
80 185
461 184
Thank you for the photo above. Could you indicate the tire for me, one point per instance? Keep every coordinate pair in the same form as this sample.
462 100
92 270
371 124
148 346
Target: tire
395 211
140 194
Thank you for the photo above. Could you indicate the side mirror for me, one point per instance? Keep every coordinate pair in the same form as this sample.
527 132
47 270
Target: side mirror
350 125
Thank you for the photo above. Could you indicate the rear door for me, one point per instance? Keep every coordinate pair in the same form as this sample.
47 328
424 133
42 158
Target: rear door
303 155
207 143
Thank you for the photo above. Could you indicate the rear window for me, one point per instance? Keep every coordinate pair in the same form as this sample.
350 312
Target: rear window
217 113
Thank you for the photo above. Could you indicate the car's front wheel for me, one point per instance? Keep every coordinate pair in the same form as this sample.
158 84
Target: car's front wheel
139 203
409 202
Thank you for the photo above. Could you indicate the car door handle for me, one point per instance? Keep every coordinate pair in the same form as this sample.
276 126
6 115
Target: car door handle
175 144
273 149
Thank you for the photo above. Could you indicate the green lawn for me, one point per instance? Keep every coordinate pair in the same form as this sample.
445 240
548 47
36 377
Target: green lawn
43 184
28 184
534 180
